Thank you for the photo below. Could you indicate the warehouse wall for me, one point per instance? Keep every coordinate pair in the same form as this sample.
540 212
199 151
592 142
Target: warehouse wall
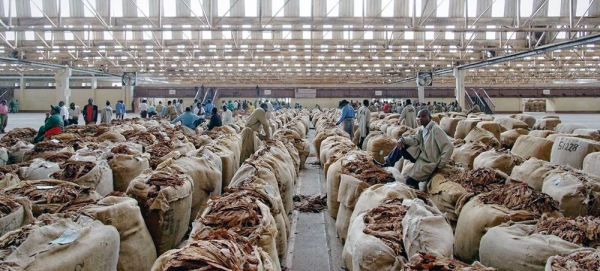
573 105
34 99
508 105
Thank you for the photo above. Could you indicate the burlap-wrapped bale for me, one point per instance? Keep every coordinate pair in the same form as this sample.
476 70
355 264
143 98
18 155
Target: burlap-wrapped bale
503 160
464 156
430 261
269 195
516 202
509 247
533 172
165 198
96 175
229 167
112 136
592 133
15 212
136 250
449 125
529 119
38 169
464 127
220 249
349 191
570 151
243 214
483 136
125 167
320 136
582 260
508 138
568 128
376 194
61 244
205 175
49 196
510 123
529 146
17 151
591 164
541 133
491 127
555 136
546 124
451 188
380 146
425 229
577 193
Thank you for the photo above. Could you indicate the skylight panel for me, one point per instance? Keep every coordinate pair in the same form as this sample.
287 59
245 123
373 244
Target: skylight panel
197 8
554 7
526 8
388 8
582 7
449 34
490 35
443 8
251 8
223 8
88 7
472 8
170 10
306 9
35 11
117 8
277 7
358 8
429 35
206 35
498 8
333 8
143 8
65 9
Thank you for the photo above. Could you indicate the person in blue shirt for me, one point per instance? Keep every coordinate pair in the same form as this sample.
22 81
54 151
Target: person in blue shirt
230 106
120 109
347 117
187 118
278 106
208 108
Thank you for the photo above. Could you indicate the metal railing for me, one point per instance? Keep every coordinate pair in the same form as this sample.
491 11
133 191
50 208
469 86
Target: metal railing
7 94
468 99
489 101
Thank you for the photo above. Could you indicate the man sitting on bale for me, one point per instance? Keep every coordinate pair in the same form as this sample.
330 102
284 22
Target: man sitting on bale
53 124
429 149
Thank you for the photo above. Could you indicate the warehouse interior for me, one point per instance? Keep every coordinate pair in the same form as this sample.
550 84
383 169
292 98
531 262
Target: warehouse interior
529 66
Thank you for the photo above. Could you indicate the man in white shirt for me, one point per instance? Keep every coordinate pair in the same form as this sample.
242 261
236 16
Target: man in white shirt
144 109
64 112
227 116
74 112
235 106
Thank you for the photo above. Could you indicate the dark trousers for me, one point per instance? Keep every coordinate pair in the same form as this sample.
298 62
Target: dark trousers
151 114
395 156
144 114
74 121
360 142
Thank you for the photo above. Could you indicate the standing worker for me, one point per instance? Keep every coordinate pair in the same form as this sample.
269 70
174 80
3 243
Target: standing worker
347 117
170 112
106 115
74 113
364 120
409 115
429 149
12 106
90 112
159 109
227 116
179 107
3 116
144 109
120 109
64 112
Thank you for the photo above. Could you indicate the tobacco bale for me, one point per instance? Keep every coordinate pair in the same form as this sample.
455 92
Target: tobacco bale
8 206
583 260
73 170
56 157
307 204
477 181
577 192
143 138
367 172
519 196
220 249
508 138
430 261
17 134
581 230
385 223
502 160
528 146
158 151
47 196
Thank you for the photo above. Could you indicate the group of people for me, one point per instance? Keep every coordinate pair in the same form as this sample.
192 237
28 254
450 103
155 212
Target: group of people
429 149
390 107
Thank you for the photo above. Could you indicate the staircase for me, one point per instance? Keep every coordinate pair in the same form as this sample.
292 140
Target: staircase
481 98
7 94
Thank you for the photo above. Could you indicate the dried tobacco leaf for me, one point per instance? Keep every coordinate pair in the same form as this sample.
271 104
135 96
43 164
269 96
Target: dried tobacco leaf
8 206
476 181
366 171
428 261
236 211
581 230
520 196
583 260
73 170
307 204
385 223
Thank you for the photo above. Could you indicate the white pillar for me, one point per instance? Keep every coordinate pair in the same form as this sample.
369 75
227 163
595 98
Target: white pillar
459 75
128 93
421 93
63 92
94 83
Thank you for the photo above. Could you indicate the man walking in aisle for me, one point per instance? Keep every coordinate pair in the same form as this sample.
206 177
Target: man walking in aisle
106 115
364 120
144 109
408 115
347 117
64 112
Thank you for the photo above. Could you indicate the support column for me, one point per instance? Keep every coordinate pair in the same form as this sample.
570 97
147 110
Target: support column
94 83
63 92
128 93
421 93
459 76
